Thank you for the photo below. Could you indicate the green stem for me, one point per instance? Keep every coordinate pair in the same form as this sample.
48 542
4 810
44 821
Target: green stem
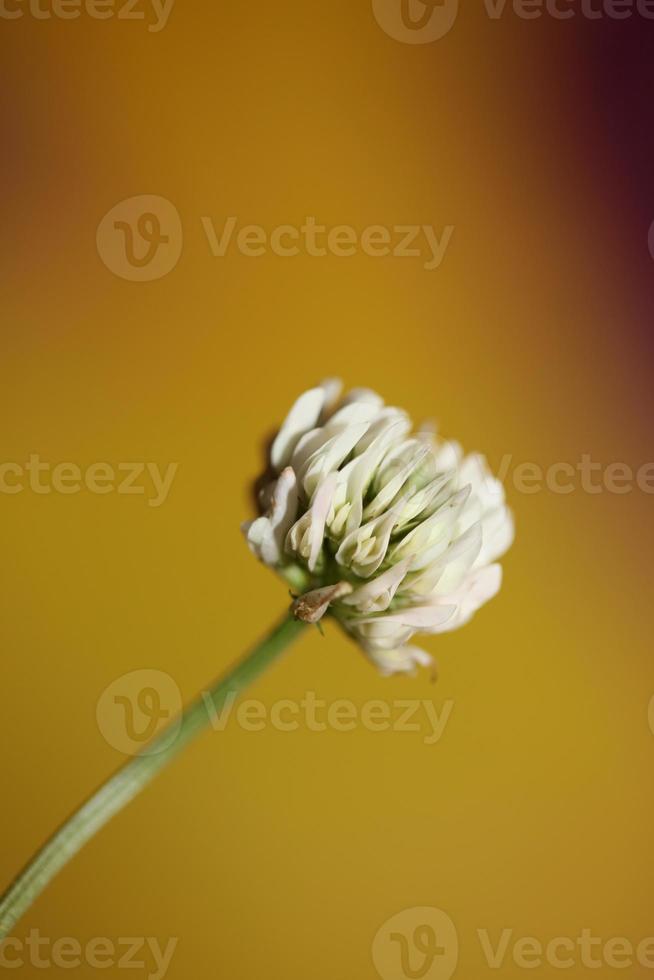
128 781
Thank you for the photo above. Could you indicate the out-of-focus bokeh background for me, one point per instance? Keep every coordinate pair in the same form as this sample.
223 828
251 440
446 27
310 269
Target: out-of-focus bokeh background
281 854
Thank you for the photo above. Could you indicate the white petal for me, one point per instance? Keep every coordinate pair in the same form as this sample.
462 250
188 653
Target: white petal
448 572
402 660
364 395
386 419
380 635
474 470
351 414
319 510
301 418
448 455
266 534
306 537
256 533
376 595
389 492
426 617
332 388
480 586
498 532
329 457
283 512
431 537
355 479
364 550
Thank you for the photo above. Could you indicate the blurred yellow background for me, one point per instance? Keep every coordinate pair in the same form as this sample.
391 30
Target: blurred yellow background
275 853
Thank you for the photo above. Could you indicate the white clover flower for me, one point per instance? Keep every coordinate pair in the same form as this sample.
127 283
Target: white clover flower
394 533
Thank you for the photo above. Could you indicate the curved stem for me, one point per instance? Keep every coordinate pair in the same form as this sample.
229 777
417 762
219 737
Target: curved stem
129 780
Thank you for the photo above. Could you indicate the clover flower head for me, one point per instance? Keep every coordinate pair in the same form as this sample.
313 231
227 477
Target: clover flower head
394 532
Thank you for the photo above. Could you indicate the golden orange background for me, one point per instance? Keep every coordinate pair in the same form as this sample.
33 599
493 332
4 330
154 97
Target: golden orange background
281 854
